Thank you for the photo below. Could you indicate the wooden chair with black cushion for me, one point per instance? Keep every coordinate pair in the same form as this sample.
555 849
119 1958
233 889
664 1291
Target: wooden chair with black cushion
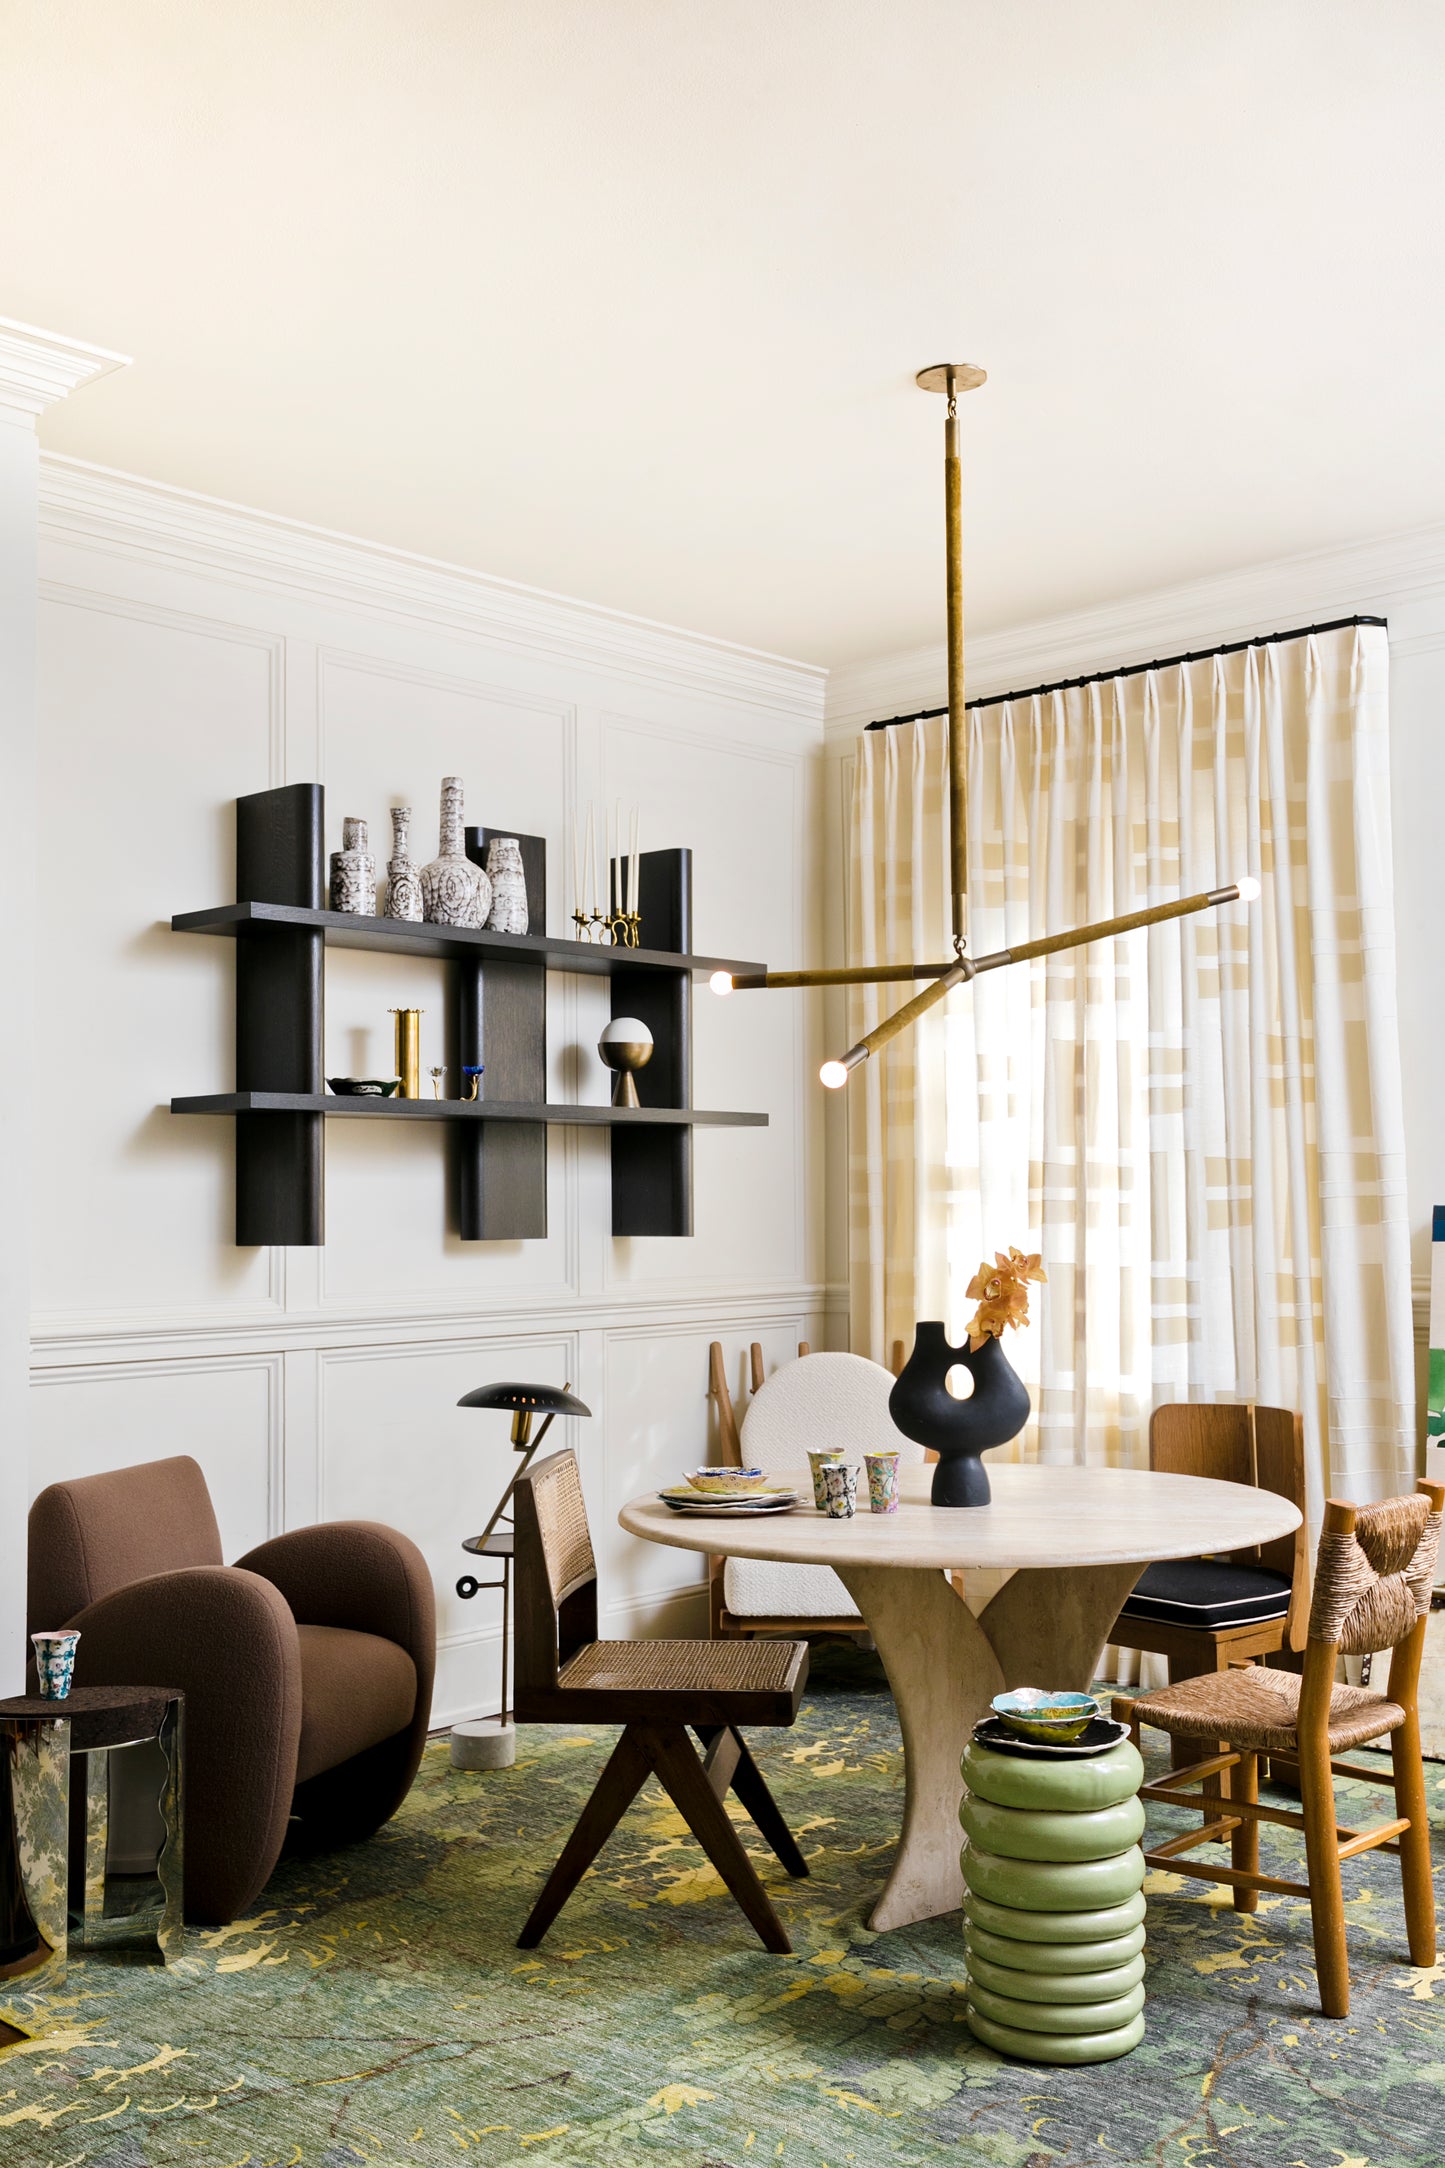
1204 1614
1373 1581
657 1690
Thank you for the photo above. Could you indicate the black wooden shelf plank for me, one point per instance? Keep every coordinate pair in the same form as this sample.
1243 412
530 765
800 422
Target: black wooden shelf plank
405 937
465 1110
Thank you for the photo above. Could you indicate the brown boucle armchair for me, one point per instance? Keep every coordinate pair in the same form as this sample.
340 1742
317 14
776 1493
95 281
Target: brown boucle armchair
307 1666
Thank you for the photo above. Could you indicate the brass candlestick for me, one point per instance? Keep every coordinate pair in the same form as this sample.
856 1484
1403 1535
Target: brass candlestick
408 1051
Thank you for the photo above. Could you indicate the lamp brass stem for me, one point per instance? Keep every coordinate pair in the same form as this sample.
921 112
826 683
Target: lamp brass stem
957 715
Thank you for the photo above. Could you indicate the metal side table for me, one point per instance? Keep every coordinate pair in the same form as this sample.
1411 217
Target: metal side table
56 1887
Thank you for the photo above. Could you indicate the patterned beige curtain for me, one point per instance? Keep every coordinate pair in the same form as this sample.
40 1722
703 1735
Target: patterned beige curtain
1200 1126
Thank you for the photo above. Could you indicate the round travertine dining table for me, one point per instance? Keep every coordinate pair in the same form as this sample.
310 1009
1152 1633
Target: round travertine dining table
1072 1542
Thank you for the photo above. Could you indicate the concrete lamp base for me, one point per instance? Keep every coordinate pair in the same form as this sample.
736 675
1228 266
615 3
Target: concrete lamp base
484 1743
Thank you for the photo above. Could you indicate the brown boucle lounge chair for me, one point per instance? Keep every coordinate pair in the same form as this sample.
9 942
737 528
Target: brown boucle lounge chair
307 1666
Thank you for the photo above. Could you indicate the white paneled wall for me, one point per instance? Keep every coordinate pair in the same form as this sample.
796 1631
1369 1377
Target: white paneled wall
190 653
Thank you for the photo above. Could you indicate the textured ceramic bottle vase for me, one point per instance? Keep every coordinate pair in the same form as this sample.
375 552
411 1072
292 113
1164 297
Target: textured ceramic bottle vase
353 871
958 1430
1054 1904
454 892
403 882
508 913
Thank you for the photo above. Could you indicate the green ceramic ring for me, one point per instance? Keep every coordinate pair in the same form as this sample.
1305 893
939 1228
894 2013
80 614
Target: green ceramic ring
1071 1787
1026 1833
1033 2047
1057 2017
1038 1885
1052 1957
1081 1924
1055 1987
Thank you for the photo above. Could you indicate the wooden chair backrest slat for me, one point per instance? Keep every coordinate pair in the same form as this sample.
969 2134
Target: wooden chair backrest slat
554 1571
1203 1438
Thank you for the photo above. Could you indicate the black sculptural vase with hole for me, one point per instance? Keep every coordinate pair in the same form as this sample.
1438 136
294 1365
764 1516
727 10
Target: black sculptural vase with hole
958 1430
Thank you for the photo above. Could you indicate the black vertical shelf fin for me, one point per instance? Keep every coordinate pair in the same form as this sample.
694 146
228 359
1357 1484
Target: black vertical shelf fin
280 1159
652 1168
500 1170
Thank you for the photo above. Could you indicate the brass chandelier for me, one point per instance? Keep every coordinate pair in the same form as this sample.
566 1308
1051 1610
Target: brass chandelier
953 377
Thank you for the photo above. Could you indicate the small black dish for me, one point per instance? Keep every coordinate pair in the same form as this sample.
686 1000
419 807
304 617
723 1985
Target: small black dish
363 1087
1097 1736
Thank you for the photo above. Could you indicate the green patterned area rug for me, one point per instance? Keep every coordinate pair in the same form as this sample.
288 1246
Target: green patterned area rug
374 2008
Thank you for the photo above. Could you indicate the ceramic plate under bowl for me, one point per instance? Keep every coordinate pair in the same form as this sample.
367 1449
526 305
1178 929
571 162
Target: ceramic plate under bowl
729 1509
1097 1737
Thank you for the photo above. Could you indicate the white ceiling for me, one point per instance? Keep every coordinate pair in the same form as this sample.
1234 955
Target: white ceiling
623 298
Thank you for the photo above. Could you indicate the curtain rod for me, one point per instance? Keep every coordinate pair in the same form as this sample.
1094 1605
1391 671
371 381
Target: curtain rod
1134 669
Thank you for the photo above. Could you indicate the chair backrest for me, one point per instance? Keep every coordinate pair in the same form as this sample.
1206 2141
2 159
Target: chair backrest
1239 1442
98 1533
839 1401
1375 1571
555 1573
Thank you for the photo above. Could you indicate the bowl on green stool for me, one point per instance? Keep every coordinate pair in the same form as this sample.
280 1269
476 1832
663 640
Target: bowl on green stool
1032 1712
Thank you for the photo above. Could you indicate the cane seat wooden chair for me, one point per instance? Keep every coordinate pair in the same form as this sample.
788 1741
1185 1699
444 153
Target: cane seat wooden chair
1373 1579
656 1690
1204 1614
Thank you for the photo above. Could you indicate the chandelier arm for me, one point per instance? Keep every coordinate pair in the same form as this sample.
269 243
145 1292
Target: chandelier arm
835 1073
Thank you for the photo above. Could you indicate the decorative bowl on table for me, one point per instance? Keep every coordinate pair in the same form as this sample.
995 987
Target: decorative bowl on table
1032 1712
727 1482
363 1087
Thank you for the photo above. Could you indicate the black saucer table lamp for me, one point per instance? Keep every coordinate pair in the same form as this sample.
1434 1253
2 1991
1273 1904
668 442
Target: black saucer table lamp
490 1742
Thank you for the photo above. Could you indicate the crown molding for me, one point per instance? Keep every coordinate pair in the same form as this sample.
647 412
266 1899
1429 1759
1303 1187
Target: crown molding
100 508
1375 576
39 368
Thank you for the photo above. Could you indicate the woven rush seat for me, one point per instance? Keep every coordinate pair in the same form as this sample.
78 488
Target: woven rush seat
1256 1709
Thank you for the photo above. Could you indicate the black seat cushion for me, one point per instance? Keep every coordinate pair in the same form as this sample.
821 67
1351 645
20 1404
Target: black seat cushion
1208 1593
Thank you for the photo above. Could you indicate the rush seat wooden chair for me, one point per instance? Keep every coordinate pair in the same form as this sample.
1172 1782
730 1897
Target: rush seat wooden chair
657 1690
1204 1614
1373 1579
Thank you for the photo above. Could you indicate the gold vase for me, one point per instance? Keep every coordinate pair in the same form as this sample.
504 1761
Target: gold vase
408 1051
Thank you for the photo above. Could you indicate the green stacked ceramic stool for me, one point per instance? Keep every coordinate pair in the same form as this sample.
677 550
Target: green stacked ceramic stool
1053 1904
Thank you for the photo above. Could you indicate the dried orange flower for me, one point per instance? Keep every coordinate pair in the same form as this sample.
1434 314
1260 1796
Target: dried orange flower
1003 1294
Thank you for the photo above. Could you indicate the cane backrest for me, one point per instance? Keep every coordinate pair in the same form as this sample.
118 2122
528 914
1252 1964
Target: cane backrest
1374 1573
556 1573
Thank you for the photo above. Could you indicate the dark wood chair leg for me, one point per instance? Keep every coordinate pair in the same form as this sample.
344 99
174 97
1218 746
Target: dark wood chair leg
627 1770
729 1763
685 1780
751 1787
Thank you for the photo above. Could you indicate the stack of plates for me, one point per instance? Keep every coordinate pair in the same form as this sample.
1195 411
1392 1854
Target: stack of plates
683 1498
1099 1736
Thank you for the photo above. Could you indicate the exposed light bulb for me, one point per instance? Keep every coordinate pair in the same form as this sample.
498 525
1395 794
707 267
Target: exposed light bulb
721 982
834 1075
1248 889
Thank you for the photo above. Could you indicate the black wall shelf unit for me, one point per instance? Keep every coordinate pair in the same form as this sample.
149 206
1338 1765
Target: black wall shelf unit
496 1014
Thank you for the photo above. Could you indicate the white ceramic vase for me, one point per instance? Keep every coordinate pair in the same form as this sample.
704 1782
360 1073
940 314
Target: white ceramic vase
353 872
508 913
403 885
454 892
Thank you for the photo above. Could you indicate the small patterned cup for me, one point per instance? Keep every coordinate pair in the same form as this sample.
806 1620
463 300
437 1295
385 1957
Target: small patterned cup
818 1460
54 1663
841 1487
882 1482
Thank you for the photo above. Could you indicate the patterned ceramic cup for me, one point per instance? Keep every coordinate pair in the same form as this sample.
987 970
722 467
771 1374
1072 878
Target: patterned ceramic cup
841 1487
54 1663
818 1460
882 1482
